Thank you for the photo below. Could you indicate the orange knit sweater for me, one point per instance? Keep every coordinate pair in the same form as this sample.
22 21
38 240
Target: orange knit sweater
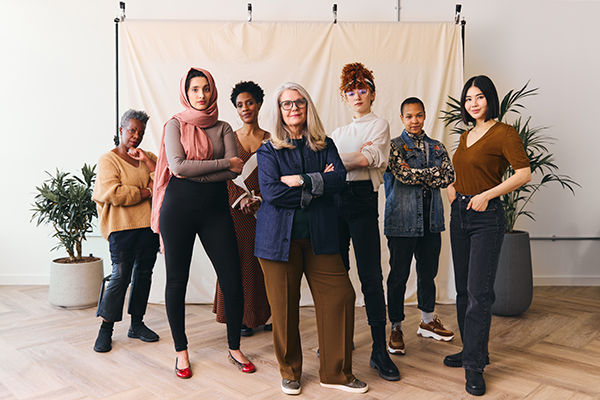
117 194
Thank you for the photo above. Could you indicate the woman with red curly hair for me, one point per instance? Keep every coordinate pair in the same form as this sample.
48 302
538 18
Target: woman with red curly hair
364 147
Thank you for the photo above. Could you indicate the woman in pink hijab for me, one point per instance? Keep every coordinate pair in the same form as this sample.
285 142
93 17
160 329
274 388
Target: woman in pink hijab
198 154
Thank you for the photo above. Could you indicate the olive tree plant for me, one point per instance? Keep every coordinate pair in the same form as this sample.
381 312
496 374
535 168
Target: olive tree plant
64 201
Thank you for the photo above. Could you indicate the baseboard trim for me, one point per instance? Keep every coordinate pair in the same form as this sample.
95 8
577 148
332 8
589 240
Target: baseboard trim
24 279
566 281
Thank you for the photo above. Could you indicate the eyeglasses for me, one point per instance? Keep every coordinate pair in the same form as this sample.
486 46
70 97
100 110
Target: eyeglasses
360 92
289 104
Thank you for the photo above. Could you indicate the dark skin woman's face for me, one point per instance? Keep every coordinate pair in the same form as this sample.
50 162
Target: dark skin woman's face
132 135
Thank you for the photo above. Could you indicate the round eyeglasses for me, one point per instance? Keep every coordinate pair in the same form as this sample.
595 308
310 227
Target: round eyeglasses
360 92
289 104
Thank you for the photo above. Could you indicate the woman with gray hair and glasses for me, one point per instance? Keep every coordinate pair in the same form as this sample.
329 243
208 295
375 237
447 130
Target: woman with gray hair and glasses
299 171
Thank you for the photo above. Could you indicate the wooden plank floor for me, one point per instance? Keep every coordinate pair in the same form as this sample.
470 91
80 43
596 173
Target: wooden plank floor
550 352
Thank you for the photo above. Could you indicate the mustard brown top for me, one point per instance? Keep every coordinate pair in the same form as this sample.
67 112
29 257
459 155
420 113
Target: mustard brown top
117 194
481 167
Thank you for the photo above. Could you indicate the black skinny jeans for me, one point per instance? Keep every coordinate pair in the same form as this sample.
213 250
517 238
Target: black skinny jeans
189 209
357 207
133 254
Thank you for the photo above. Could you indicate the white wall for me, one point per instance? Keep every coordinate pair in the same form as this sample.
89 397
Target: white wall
57 102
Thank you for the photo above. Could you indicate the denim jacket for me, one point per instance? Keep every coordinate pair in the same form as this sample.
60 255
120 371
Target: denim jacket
404 203
276 214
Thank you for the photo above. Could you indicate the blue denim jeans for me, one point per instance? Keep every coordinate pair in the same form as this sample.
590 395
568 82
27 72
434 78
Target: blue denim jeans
426 250
476 238
357 206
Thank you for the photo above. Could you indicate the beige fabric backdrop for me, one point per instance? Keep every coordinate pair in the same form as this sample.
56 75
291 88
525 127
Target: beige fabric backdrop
408 59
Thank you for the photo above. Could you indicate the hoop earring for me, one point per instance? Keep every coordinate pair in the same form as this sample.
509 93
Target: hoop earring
239 121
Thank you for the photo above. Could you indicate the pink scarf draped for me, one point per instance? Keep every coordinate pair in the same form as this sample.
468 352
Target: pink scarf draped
194 140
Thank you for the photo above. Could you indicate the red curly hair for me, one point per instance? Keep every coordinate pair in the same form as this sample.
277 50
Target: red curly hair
356 76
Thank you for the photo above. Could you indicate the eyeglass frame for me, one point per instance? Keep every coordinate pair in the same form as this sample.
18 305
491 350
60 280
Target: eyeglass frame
292 102
357 92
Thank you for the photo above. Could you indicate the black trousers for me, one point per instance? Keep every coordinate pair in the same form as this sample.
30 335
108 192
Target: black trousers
357 208
202 209
426 250
133 254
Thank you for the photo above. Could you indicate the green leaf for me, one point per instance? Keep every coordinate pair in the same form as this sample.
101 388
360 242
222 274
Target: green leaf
65 202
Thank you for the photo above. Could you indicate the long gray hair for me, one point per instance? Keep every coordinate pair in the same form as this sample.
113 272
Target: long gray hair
313 130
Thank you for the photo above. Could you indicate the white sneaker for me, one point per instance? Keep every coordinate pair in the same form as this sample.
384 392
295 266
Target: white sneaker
435 330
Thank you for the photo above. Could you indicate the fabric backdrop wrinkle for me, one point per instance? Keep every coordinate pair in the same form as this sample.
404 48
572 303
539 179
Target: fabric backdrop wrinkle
407 59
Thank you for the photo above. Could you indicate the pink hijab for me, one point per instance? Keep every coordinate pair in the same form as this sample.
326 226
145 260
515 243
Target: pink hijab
194 140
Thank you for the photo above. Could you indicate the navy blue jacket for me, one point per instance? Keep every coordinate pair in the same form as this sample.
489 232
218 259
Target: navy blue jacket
276 214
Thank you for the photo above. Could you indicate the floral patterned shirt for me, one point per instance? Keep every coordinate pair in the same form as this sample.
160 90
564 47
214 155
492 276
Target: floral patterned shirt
432 177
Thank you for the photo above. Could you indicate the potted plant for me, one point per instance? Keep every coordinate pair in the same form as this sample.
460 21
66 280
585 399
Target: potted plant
514 280
65 201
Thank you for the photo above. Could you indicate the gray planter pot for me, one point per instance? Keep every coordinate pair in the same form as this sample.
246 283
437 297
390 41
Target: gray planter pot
514 280
75 286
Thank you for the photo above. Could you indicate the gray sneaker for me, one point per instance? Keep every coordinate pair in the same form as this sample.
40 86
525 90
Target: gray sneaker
356 386
290 387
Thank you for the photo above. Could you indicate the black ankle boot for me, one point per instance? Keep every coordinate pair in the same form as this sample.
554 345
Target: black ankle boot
104 339
475 383
380 359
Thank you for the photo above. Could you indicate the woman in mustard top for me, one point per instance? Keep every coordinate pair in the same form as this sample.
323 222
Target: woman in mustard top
477 221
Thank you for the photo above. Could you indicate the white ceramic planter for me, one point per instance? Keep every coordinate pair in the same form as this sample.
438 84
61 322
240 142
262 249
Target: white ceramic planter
75 285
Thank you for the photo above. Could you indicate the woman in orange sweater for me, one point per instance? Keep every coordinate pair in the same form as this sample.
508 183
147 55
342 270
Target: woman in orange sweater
123 194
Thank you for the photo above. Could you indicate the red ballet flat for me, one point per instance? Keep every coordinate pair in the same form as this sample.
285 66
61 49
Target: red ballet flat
183 373
247 368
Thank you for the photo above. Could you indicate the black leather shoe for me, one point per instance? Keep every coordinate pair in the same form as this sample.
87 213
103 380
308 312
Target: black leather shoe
455 360
475 383
245 331
138 330
380 360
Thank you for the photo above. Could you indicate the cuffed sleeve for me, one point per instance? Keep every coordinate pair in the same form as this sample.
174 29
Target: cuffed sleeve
377 153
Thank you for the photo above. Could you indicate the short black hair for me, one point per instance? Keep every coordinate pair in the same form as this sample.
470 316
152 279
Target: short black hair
194 73
247 87
488 89
411 100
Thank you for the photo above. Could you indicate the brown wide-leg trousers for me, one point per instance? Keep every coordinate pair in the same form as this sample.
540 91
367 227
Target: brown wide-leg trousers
334 298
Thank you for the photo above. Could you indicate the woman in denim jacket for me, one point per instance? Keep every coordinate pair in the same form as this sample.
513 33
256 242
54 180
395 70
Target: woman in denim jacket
414 217
299 171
